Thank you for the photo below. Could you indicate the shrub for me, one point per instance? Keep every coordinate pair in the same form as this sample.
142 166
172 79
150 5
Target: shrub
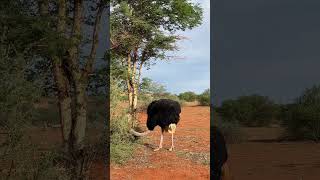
169 96
121 141
252 111
20 158
231 130
145 100
302 119
204 98
188 96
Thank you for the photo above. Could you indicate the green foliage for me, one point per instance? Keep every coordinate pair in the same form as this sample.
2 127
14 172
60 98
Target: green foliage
302 119
28 43
188 96
204 98
142 32
121 141
147 86
20 159
16 92
134 23
121 144
250 111
150 91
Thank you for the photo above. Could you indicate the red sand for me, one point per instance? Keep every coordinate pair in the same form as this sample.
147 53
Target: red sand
192 135
248 161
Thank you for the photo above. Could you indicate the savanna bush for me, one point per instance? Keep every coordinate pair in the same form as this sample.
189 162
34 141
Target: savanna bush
252 111
302 118
188 96
21 158
204 98
146 99
121 141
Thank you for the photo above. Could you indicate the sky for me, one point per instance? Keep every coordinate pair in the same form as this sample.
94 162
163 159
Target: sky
268 47
191 71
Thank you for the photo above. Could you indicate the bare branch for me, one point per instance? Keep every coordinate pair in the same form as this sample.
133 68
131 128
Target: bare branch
62 16
94 46
77 18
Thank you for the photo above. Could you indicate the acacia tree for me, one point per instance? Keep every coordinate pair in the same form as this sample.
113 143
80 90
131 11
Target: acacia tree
53 32
71 72
143 31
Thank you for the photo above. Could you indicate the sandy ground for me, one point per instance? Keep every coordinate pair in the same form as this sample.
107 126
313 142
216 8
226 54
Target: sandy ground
189 160
262 157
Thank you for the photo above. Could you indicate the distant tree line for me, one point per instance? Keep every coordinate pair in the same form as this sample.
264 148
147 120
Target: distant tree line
203 98
301 119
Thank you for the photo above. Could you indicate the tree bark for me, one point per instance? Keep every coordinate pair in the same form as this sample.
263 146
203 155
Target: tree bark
129 81
137 84
134 87
133 82
63 83
79 130
64 97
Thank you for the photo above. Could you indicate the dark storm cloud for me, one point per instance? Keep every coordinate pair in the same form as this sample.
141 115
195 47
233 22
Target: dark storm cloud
269 47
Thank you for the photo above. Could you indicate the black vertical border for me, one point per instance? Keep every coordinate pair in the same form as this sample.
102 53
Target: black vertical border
212 59
107 120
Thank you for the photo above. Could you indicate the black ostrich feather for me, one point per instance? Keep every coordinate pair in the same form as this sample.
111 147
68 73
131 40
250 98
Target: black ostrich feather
220 152
162 113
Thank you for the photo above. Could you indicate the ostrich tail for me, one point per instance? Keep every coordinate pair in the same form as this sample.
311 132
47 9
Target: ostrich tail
138 134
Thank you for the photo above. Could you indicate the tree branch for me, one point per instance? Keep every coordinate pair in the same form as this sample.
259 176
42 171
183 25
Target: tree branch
95 41
75 38
61 16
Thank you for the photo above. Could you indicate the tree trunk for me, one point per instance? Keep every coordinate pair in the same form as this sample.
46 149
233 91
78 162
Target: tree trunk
130 89
135 98
81 115
136 86
129 93
133 82
64 104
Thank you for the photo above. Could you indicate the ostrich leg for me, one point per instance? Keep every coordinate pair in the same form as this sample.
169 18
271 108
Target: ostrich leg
172 130
161 140
172 146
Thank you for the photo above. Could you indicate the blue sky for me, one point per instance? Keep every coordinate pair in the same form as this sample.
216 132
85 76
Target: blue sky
191 72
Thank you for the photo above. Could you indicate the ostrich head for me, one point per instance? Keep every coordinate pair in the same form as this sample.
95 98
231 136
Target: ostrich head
172 128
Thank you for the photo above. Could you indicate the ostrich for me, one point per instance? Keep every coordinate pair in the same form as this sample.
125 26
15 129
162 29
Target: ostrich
220 156
164 113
